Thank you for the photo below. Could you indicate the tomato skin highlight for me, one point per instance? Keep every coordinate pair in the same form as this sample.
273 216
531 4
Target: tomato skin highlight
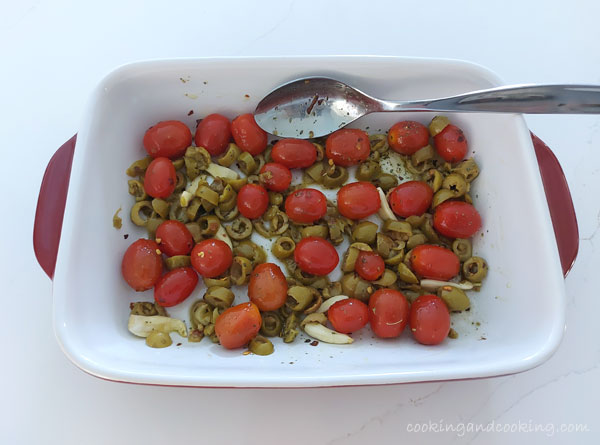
294 153
407 137
236 326
349 315
160 179
168 139
175 286
456 219
388 313
248 135
451 144
306 205
276 177
267 287
369 265
142 265
348 146
316 256
213 133
252 201
175 238
434 262
429 320
358 200
411 198
211 257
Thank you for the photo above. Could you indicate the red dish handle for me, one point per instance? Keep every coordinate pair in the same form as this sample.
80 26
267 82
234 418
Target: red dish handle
51 206
55 185
560 204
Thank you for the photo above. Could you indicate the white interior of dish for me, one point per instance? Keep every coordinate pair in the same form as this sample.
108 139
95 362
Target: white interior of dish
520 308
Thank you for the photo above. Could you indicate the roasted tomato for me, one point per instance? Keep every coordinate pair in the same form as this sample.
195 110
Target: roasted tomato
316 256
267 287
358 200
213 133
238 325
348 147
175 286
429 320
167 139
294 153
142 264
434 262
306 205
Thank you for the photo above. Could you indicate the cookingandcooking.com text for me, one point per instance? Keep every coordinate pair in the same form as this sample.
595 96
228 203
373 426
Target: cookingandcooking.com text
461 428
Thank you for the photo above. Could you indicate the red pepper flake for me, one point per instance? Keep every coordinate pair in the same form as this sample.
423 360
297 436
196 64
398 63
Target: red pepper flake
126 236
190 112
312 104
314 343
178 344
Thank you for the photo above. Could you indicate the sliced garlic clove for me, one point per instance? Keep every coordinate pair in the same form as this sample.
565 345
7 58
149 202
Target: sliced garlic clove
326 335
330 302
218 171
385 212
223 236
434 284
142 325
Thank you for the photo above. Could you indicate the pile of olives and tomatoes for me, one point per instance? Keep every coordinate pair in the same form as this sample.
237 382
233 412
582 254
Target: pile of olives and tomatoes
201 198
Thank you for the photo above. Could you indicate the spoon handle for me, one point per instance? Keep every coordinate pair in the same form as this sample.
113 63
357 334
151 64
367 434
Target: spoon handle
529 99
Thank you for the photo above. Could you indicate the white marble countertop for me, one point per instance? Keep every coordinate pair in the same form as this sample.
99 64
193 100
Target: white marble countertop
53 54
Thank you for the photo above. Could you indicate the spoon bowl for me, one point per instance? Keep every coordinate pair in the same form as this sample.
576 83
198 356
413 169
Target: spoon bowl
317 106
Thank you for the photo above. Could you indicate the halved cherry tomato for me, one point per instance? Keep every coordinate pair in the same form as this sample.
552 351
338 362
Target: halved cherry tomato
238 325
248 135
160 179
275 176
369 265
451 144
407 137
175 286
142 264
434 262
267 287
358 200
347 147
316 256
167 139
213 133
411 198
174 238
252 201
211 257
349 315
456 219
429 320
306 205
388 313
294 153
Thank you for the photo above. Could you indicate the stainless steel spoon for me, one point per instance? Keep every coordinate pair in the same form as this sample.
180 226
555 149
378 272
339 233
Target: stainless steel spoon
317 106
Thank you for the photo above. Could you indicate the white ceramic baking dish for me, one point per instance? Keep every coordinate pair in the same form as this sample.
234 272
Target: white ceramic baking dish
516 321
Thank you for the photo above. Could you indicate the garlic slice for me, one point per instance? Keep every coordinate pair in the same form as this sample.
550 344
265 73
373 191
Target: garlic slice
216 170
142 325
434 284
330 302
385 212
223 236
326 335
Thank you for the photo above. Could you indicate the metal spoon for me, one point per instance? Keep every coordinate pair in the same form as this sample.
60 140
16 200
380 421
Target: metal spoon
317 106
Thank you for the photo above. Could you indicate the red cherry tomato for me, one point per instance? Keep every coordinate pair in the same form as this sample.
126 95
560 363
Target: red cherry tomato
211 257
407 137
316 256
434 262
175 286
451 144
276 177
411 198
213 133
348 147
252 201
142 264
306 205
349 315
167 139
160 179
358 200
238 325
369 265
267 287
174 238
294 153
248 135
456 219
429 320
388 313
